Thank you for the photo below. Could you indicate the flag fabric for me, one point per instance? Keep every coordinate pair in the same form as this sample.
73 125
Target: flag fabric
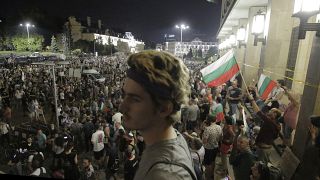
265 86
221 70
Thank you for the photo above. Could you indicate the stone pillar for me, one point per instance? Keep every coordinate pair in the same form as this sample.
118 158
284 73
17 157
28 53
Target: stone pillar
252 56
308 100
278 26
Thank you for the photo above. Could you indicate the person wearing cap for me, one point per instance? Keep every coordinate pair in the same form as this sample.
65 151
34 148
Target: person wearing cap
310 163
154 89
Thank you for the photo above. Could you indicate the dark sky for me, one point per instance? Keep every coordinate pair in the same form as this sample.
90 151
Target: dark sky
147 19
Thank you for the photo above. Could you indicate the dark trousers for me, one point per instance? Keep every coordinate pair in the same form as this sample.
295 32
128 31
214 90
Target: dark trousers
3 138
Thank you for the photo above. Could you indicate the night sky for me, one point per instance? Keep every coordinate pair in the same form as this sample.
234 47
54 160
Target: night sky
148 20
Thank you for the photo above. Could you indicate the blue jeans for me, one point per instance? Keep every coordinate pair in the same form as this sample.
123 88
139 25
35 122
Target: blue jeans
233 108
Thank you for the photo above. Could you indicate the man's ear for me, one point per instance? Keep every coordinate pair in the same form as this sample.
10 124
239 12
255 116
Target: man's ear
166 109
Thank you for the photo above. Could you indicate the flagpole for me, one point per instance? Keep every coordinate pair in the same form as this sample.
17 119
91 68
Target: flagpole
244 82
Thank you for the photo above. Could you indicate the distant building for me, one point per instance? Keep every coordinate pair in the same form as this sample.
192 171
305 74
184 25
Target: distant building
179 49
94 31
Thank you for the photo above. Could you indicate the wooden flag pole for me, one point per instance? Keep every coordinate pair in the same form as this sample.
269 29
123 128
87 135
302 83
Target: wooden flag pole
244 82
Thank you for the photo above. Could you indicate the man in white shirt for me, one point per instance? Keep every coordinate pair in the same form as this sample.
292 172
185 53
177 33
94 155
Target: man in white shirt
98 145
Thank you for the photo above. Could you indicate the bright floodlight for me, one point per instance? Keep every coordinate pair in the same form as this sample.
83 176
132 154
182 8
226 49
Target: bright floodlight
27 24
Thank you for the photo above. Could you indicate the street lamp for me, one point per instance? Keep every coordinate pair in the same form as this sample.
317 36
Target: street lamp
241 36
181 27
27 25
258 27
304 9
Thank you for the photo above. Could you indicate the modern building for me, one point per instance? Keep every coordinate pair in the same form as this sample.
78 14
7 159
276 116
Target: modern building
94 32
182 48
277 38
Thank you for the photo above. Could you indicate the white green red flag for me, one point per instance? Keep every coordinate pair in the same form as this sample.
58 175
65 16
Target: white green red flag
265 86
221 70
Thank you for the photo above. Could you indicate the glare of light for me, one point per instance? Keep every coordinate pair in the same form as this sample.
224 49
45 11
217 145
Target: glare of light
241 34
232 40
306 6
258 24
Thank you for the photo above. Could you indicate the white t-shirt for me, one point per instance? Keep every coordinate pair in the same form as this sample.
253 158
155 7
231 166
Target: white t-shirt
97 140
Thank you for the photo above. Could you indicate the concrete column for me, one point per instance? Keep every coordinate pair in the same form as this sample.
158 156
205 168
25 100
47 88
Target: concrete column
303 58
278 35
252 56
308 100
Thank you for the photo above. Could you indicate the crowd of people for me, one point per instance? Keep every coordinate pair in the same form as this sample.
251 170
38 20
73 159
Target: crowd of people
152 117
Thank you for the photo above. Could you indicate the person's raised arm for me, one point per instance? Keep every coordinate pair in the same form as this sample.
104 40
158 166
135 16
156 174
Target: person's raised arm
254 105
290 96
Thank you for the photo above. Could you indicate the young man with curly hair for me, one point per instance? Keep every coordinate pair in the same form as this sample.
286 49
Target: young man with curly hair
155 87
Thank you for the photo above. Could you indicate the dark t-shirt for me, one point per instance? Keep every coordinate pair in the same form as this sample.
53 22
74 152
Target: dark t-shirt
234 93
269 130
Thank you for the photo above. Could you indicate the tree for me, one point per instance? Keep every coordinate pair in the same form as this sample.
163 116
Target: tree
123 46
65 45
140 47
83 45
54 47
20 43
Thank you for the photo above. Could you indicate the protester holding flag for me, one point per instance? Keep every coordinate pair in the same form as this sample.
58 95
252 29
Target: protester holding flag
269 130
234 95
290 117
221 70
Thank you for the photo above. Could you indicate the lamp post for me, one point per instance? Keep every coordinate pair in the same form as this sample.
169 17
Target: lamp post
181 27
241 36
304 10
27 25
258 27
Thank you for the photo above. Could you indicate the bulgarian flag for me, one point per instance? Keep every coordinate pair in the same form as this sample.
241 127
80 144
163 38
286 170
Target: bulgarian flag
221 70
265 86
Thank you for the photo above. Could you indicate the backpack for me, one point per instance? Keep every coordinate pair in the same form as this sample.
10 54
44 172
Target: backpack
198 168
174 163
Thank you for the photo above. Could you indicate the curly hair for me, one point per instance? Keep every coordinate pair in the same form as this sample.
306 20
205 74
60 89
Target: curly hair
163 70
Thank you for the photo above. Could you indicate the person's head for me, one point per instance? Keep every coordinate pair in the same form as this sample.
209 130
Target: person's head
260 171
211 119
196 143
234 84
86 162
218 99
39 131
280 82
155 87
274 113
69 146
29 140
229 120
242 143
315 127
